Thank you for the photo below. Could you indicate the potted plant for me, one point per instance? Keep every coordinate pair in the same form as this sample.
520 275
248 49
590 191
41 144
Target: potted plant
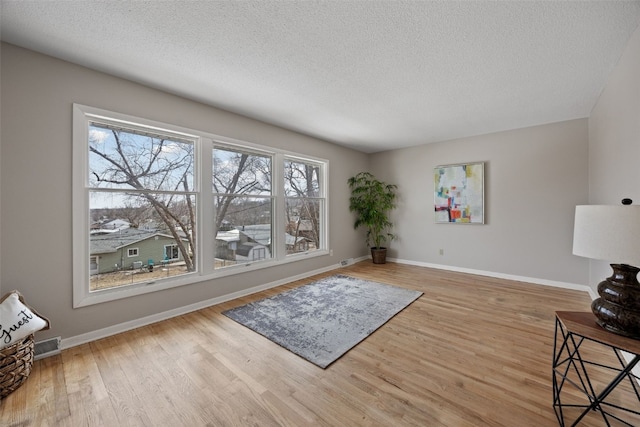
372 200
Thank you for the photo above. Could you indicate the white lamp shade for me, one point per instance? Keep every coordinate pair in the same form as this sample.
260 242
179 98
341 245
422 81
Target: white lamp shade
608 232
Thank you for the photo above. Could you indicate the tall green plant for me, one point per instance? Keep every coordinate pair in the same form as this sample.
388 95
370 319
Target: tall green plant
372 200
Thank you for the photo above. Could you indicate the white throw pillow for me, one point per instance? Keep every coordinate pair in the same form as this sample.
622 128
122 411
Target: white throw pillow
17 320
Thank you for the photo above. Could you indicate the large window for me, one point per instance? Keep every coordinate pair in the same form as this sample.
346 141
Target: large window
243 203
304 203
157 206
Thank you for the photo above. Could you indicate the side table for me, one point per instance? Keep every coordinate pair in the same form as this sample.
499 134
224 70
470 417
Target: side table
570 368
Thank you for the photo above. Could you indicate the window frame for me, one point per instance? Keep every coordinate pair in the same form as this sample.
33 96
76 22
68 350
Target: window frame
172 246
136 254
204 143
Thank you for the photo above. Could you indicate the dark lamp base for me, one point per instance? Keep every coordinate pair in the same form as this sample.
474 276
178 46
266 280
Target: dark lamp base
617 331
618 308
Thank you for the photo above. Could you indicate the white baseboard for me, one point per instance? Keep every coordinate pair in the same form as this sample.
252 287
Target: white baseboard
535 280
66 343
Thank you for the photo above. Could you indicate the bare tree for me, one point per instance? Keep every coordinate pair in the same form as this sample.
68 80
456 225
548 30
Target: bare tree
133 214
237 176
302 187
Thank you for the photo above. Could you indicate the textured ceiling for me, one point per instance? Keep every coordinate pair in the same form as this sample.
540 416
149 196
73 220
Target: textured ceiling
371 75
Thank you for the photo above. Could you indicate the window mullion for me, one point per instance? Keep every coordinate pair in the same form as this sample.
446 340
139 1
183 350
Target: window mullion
206 208
324 215
279 206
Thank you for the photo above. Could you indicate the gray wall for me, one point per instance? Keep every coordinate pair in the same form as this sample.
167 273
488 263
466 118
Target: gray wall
534 177
37 96
614 140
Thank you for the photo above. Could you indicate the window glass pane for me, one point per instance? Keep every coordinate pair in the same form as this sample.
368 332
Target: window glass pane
236 172
122 159
303 226
129 233
301 179
243 226
245 233
303 204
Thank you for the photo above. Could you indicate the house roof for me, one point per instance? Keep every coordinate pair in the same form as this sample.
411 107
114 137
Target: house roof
259 233
228 236
112 242
370 75
290 240
116 224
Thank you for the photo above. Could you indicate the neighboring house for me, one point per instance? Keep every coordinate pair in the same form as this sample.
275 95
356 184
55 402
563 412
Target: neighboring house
261 234
227 243
251 251
299 244
303 228
113 250
252 243
245 243
116 224
110 224
258 233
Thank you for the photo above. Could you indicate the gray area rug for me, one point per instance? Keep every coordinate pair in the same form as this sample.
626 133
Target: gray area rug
323 320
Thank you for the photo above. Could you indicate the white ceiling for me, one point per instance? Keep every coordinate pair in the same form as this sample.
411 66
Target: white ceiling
371 75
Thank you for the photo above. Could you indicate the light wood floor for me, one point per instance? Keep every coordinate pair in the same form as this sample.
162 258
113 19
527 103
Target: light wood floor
472 351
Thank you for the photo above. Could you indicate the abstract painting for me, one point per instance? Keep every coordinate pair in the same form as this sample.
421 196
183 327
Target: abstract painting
459 193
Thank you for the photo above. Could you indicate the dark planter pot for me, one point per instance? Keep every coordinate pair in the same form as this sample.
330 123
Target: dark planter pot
379 255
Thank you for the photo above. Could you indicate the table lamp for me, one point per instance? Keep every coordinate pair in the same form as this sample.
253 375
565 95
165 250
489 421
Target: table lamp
612 233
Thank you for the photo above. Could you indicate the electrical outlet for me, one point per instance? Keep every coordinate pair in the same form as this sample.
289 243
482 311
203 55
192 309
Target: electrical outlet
441 251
